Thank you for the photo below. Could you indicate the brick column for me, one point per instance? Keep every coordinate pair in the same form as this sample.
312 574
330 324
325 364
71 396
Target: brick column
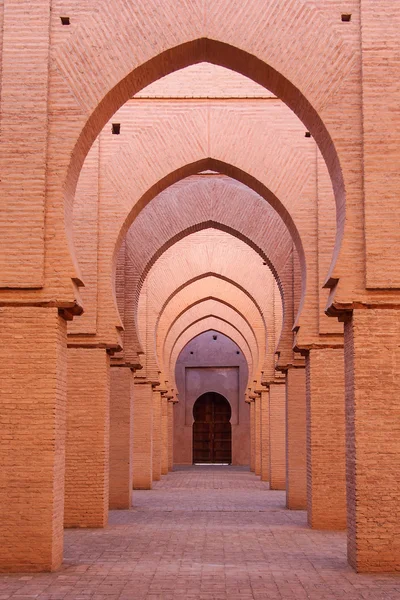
157 435
257 435
265 435
24 141
88 428
296 439
372 437
277 436
252 436
121 437
326 477
164 436
33 364
171 435
142 436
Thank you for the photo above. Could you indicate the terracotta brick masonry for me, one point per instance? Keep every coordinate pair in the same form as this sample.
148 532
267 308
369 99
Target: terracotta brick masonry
204 533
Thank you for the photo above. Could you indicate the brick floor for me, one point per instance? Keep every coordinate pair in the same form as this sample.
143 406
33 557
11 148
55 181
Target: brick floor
204 533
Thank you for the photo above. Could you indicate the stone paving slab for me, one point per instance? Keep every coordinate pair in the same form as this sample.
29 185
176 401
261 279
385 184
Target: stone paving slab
204 533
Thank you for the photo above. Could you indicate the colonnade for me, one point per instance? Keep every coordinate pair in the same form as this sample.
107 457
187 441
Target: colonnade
137 214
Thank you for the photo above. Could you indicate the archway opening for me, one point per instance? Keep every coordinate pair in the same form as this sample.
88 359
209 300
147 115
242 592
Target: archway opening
212 430
239 61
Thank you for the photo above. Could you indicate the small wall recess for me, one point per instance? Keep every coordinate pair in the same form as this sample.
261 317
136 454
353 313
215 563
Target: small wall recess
65 21
116 128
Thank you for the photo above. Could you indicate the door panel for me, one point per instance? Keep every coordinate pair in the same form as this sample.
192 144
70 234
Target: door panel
212 431
202 447
222 442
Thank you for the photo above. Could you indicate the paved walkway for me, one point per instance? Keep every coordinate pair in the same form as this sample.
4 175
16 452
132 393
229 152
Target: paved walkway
204 533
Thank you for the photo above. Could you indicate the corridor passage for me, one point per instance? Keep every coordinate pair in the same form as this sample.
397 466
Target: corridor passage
204 533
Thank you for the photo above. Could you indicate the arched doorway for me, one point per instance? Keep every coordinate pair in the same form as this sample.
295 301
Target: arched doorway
212 431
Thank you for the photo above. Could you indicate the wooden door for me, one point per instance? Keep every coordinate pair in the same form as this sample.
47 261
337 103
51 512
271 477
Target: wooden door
212 432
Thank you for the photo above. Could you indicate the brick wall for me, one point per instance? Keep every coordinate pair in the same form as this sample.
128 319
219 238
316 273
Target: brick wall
204 81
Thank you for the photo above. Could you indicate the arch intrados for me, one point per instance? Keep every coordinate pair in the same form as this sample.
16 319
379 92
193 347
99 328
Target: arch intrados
221 333
236 59
231 171
206 299
257 349
203 276
197 278
206 187
188 231
160 342
218 53
203 318
209 224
